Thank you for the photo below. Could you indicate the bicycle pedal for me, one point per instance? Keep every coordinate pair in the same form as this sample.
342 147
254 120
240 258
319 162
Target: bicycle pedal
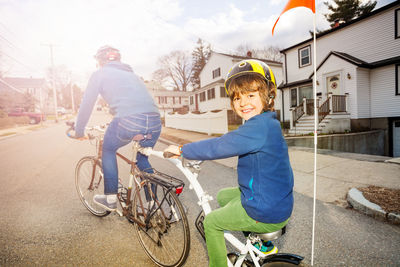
199 224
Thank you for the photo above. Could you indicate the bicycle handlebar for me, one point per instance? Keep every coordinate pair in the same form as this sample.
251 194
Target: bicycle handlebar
71 128
169 155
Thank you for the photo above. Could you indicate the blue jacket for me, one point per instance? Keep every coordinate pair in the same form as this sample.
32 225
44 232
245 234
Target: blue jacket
121 88
265 176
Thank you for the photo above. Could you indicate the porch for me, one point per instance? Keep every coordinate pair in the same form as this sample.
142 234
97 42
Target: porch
333 116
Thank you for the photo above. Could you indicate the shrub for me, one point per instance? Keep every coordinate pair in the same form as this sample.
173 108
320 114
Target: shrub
7 122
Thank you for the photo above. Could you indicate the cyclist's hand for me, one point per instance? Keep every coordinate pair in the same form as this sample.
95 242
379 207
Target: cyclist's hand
175 150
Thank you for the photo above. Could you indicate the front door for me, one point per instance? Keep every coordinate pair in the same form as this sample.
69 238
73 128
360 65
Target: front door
333 84
396 138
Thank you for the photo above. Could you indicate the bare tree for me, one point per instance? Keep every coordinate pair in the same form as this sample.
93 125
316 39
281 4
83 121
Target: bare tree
175 70
269 52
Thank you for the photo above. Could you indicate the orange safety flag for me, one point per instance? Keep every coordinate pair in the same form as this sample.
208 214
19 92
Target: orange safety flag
296 3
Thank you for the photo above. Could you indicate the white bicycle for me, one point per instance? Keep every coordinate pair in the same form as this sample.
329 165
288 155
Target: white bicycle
248 254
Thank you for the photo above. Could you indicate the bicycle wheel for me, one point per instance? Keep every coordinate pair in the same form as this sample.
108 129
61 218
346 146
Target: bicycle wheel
278 264
165 238
89 182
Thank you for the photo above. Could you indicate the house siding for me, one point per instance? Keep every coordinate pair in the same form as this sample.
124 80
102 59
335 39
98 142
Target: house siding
215 61
363 94
384 102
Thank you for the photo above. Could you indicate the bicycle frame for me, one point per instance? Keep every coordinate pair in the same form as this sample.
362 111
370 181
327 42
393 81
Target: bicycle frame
204 200
132 179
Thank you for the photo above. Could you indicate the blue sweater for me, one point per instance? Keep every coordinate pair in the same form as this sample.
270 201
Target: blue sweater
121 88
265 176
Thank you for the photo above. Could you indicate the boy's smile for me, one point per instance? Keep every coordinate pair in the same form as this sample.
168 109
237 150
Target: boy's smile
248 105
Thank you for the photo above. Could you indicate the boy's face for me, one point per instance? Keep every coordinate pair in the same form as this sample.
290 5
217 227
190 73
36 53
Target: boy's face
248 105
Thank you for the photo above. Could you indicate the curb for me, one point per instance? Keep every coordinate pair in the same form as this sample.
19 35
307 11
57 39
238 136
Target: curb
360 203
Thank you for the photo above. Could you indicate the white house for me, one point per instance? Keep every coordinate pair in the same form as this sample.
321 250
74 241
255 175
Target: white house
211 95
167 100
358 77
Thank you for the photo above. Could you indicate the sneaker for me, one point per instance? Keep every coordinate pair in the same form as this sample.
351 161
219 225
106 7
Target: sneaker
101 200
266 247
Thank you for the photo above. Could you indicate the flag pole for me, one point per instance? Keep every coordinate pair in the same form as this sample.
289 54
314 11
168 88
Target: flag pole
315 136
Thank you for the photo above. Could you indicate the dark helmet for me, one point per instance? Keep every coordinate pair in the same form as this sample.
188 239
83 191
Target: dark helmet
107 53
250 67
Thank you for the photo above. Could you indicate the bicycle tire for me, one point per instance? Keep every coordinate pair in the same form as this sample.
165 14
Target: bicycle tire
84 178
278 264
166 243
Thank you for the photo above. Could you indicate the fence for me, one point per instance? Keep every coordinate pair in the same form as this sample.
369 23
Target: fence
209 122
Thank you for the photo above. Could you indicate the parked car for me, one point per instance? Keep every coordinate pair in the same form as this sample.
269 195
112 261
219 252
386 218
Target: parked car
34 117
61 111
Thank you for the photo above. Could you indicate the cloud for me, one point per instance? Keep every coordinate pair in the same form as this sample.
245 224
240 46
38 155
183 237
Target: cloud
140 29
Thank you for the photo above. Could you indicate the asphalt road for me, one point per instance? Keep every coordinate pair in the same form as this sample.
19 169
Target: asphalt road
42 221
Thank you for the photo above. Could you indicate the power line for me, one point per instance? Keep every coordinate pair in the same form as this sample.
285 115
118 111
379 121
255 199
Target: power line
9 42
19 62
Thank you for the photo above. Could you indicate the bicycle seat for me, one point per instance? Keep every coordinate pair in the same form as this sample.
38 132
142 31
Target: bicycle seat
271 236
140 137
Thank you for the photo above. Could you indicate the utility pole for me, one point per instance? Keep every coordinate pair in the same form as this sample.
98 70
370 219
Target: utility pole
72 93
53 79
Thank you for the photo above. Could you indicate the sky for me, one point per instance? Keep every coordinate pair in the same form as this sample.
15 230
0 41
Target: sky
144 31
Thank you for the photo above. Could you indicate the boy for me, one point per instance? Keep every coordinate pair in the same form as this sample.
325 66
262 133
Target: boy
263 202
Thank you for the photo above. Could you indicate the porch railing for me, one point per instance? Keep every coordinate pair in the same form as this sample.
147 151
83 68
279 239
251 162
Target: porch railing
298 112
323 110
338 103
333 104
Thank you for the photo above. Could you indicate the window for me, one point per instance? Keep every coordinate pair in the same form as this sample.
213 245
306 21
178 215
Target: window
211 93
397 23
216 73
304 56
191 100
306 92
293 97
162 99
398 79
222 92
202 96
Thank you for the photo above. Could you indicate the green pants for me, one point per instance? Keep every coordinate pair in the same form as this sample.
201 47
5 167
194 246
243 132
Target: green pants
230 216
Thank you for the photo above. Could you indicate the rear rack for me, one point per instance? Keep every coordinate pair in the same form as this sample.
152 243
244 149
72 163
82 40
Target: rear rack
163 179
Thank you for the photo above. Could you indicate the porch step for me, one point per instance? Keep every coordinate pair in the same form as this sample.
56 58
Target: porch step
305 125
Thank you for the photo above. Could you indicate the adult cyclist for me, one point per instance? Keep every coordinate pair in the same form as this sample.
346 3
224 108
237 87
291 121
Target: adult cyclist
134 113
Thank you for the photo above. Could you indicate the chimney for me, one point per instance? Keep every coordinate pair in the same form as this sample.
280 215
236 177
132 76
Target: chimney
336 23
249 54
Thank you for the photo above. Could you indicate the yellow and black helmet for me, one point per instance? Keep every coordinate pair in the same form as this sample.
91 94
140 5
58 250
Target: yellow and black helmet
250 67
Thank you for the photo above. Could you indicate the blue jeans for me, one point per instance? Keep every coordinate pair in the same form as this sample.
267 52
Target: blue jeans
120 133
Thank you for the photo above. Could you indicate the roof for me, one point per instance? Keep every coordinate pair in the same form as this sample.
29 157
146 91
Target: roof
245 57
296 83
358 62
214 83
170 93
341 26
25 82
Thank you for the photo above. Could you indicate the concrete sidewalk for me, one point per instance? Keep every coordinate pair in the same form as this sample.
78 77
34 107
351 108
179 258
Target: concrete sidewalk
337 172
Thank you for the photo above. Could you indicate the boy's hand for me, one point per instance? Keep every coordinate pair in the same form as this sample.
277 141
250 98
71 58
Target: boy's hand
174 150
